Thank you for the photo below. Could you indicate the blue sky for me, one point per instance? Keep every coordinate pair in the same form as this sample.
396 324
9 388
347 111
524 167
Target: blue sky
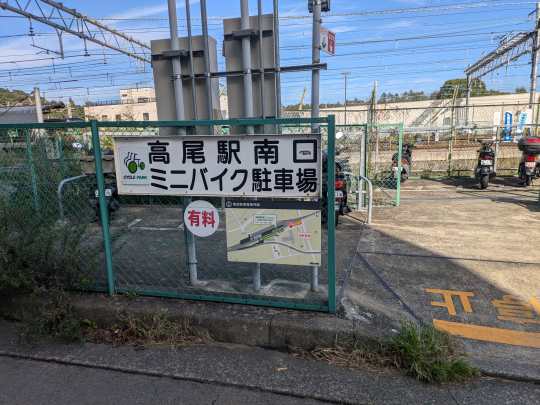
401 51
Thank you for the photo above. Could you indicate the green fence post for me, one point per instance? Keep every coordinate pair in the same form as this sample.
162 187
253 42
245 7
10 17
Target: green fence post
103 205
331 214
32 170
398 186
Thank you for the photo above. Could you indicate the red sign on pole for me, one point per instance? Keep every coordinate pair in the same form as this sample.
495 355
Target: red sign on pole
328 41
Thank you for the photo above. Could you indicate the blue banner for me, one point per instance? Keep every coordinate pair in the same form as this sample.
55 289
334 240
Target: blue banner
508 128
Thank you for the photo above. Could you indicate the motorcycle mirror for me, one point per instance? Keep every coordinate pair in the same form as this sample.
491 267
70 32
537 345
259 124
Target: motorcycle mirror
77 145
339 134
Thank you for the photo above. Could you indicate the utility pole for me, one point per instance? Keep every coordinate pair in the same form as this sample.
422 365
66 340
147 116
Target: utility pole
39 110
345 73
534 57
316 58
375 97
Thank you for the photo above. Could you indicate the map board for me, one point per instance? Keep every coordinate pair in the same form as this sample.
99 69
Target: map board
279 232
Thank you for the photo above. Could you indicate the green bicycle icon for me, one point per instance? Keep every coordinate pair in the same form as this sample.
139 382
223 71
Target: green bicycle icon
132 163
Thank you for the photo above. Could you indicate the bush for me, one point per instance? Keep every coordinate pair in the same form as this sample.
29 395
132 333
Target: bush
36 253
49 313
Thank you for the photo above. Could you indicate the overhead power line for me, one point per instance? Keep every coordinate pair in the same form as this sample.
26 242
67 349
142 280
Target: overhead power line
80 26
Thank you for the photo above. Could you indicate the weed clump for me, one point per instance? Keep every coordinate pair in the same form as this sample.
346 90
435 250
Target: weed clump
424 352
427 353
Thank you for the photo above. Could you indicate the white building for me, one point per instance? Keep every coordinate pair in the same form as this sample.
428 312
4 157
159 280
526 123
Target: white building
133 105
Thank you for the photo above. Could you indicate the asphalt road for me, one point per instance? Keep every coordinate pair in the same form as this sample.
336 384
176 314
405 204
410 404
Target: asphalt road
54 373
35 382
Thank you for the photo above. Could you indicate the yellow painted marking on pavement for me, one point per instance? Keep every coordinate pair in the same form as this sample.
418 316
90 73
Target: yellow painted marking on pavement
535 305
448 303
510 337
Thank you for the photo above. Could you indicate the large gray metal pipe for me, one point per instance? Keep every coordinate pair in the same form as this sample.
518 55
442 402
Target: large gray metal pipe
261 63
246 64
177 68
192 70
277 63
180 115
316 58
208 78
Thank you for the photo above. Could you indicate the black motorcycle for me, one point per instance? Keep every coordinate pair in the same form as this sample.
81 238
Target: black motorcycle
111 187
529 162
484 170
406 161
342 181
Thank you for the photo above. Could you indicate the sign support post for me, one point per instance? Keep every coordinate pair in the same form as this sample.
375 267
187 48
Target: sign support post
104 212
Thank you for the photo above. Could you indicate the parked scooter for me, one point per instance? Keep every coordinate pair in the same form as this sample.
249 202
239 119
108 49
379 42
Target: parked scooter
111 188
406 161
342 181
484 170
529 163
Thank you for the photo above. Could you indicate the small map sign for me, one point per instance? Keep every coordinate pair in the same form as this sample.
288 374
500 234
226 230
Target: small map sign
280 232
251 166
328 41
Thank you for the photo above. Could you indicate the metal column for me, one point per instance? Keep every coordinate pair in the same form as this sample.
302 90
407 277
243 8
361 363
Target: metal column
468 99
261 63
192 70
248 99
180 115
177 68
208 78
277 63
375 97
534 57
315 79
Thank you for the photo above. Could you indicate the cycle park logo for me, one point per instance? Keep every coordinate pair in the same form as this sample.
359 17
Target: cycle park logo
134 165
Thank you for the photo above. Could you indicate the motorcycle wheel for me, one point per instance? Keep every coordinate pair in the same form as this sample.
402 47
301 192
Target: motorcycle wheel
484 181
337 218
404 178
528 180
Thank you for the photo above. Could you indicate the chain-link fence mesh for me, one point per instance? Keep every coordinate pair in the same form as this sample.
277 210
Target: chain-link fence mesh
383 162
52 172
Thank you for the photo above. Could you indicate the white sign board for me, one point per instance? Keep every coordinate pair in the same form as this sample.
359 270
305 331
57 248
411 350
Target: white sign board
251 166
524 118
201 218
328 41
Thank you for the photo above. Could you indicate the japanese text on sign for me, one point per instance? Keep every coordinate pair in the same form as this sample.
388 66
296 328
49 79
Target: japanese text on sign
273 165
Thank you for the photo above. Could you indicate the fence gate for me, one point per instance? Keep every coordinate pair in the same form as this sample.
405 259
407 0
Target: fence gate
265 246
382 147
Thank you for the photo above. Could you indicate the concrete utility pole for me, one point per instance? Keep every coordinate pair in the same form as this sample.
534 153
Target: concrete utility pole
375 97
534 57
208 78
316 58
468 99
70 114
277 63
39 110
345 73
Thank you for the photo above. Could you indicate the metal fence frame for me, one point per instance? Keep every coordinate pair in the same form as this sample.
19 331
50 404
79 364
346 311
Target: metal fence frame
95 128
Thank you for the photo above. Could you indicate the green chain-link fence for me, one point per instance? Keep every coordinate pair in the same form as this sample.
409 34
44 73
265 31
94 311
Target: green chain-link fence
139 243
383 159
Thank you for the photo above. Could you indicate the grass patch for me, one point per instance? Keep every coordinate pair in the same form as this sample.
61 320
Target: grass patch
152 330
426 353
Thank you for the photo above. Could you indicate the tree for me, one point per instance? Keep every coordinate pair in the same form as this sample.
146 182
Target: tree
521 89
478 88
